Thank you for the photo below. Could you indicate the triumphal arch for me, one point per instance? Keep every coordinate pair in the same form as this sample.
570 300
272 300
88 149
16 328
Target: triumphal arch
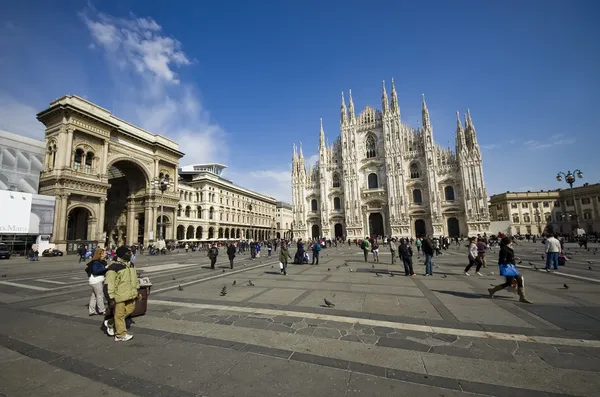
104 173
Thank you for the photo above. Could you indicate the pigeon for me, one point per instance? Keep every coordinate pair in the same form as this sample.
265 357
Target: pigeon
351 270
378 275
589 262
223 270
531 264
543 257
372 266
173 278
444 276
520 261
250 283
328 304
271 266
4 275
565 286
234 282
180 288
328 269
590 268
224 291
391 274
338 266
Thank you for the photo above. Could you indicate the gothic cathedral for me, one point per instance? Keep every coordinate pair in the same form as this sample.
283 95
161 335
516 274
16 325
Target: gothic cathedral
384 178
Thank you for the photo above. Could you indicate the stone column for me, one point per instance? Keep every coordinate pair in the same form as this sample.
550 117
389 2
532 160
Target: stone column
104 169
68 148
130 223
148 225
100 220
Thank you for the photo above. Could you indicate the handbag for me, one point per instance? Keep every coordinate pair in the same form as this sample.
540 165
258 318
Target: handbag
281 265
508 270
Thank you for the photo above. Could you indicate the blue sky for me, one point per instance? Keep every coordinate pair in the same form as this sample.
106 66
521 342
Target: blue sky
238 82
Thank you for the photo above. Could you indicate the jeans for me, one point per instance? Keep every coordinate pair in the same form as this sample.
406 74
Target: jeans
213 261
552 258
366 254
428 265
231 262
393 257
474 261
408 268
315 257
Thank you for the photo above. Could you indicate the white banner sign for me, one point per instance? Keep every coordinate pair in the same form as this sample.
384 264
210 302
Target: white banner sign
16 211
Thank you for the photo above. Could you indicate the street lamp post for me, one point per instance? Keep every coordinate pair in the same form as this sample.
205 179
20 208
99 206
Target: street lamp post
570 179
162 183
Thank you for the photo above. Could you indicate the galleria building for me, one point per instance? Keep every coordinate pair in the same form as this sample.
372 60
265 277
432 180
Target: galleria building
382 177
117 183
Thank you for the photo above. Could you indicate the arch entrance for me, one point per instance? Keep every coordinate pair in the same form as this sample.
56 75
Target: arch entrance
103 170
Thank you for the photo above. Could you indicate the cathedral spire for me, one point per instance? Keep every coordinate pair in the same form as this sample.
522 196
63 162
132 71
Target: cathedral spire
351 106
343 111
460 135
295 155
301 154
384 98
470 130
395 106
321 137
425 114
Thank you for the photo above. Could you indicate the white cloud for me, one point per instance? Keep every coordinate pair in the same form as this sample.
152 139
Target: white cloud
554 140
311 161
275 183
144 64
490 146
19 118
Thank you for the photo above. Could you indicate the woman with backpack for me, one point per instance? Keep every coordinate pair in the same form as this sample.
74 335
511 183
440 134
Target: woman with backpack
95 270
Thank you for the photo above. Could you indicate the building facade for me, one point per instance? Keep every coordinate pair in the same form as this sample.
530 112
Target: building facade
548 211
382 177
102 171
214 208
21 161
284 219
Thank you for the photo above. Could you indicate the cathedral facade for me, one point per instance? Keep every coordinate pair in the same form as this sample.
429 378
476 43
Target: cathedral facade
382 177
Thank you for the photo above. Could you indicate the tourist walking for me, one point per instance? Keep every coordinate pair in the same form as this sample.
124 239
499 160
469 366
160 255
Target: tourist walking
405 252
95 270
473 257
284 254
428 250
419 243
316 247
375 250
122 289
506 261
392 245
231 254
553 248
213 252
365 245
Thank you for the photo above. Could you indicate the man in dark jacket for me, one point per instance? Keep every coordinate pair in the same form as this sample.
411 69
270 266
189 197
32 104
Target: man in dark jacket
231 253
213 252
428 250
406 253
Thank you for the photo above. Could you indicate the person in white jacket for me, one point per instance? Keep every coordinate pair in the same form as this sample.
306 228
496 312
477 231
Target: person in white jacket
473 257
552 251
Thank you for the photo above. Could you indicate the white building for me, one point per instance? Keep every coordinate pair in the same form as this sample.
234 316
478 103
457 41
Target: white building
212 207
382 177
284 217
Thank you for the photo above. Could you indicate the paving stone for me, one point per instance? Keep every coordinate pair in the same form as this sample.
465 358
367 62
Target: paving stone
571 361
451 351
382 331
367 331
402 344
327 333
286 319
351 338
252 323
305 331
299 325
338 325
413 334
491 354
280 328
445 337
369 339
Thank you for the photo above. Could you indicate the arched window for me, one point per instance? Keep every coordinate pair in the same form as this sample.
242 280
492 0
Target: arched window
89 158
188 211
414 171
449 193
51 155
417 196
336 203
199 212
372 181
313 205
211 213
179 210
77 160
336 180
371 147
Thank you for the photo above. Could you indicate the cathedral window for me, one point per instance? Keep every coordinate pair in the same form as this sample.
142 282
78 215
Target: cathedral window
313 205
336 180
188 211
371 147
417 196
78 159
199 212
414 171
336 203
449 193
372 181
211 213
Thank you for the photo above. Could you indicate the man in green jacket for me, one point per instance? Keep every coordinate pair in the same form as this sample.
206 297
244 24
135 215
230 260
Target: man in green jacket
122 289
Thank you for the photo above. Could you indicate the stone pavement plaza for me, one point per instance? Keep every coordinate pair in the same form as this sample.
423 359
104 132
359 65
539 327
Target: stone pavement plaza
387 335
